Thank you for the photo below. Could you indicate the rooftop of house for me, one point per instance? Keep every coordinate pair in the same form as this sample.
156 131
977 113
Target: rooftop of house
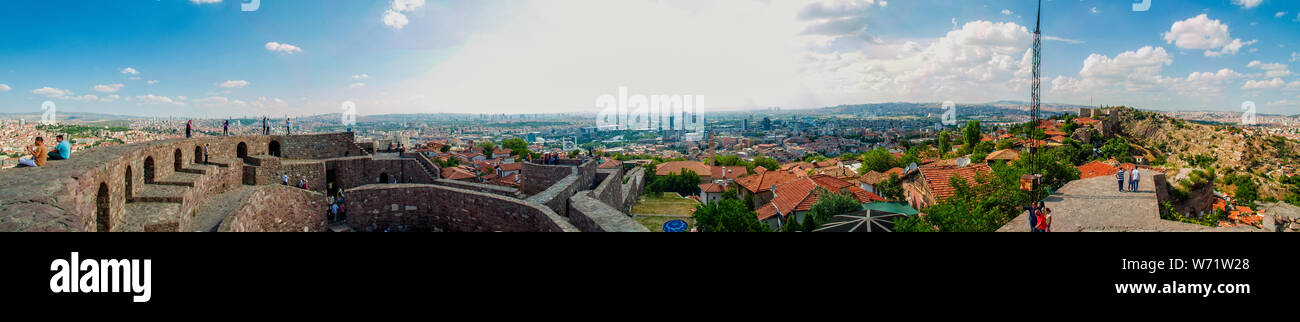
937 178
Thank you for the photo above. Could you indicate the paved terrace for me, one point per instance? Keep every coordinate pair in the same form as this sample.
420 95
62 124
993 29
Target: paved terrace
1095 205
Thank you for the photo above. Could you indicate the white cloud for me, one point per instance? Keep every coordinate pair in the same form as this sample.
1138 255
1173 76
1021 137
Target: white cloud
1267 84
1271 70
1247 4
1280 14
233 84
51 92
1295 56
394 16
360 76
282 48
133 78
1007 12
1064 40
1221 76
357 85
130 71
110 88
1094 10
4 88
110 98
153 99
1203 33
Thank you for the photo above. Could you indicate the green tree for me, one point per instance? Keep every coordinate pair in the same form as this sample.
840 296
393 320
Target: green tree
891 188
445 149
727 216
971 136
945 144
789 224
878 160
766 162
830 204
1247 191
487 148
1117 148
517 146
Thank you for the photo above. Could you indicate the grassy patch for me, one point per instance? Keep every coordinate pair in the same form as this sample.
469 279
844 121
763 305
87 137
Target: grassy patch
656 223
669 204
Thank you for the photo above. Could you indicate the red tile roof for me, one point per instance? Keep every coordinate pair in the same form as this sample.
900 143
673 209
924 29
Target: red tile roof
764 181
937 178
712 188
515 166
1096 169
801 195
1007 154
456 173
732 172
765 212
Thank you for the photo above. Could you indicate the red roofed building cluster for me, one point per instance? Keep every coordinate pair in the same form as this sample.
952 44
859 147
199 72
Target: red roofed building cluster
927 186
796 198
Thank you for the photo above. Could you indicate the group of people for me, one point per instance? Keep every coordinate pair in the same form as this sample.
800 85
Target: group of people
337 211
302 182
189 128
1134 179
551 158
62 151
1040 217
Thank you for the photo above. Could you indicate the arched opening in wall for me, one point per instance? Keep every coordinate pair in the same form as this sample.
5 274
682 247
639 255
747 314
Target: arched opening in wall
273 148
178 160
148 170
129 184
102 217
241 151
383 178
198 154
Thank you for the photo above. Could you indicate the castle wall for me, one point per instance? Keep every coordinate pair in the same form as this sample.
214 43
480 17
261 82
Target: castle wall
278 209
318 146
426 207
591 215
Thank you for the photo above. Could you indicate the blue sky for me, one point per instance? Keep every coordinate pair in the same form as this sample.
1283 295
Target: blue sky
207 58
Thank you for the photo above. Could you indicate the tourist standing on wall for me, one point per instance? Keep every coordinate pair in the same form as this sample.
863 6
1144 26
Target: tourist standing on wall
1137 178
286 125
189 128
266 128
225 128
1119 176
205 153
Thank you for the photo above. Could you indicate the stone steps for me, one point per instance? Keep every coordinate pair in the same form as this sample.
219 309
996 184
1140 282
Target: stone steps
159 193
225 162
183 179
151 216
209 217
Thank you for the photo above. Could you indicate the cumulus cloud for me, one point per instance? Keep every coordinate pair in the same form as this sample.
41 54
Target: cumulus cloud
233 84
394 17
1264 84
4 88
154 99
51 92
360 76
1203 33
152 81
1007 12
1247 4
282 48
109 88
1271 70
1280 14
129 71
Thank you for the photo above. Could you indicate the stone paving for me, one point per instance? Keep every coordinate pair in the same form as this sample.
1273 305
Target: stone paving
1096 204
211 214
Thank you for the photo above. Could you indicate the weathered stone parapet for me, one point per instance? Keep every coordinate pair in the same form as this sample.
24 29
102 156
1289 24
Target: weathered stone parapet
278 209
591 215
430 207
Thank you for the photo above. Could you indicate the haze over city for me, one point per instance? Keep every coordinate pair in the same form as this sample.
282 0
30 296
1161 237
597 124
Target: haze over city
207 58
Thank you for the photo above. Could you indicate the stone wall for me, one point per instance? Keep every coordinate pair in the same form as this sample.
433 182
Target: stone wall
535 178
431 207
318 146
313 172
591 215
352 172
480 187
557 197
610 189
278 209
633 188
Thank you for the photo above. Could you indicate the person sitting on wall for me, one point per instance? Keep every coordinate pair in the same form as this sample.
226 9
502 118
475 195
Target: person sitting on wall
62 151
38 154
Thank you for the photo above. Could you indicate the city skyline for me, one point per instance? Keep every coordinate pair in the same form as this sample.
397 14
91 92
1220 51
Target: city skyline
207 58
